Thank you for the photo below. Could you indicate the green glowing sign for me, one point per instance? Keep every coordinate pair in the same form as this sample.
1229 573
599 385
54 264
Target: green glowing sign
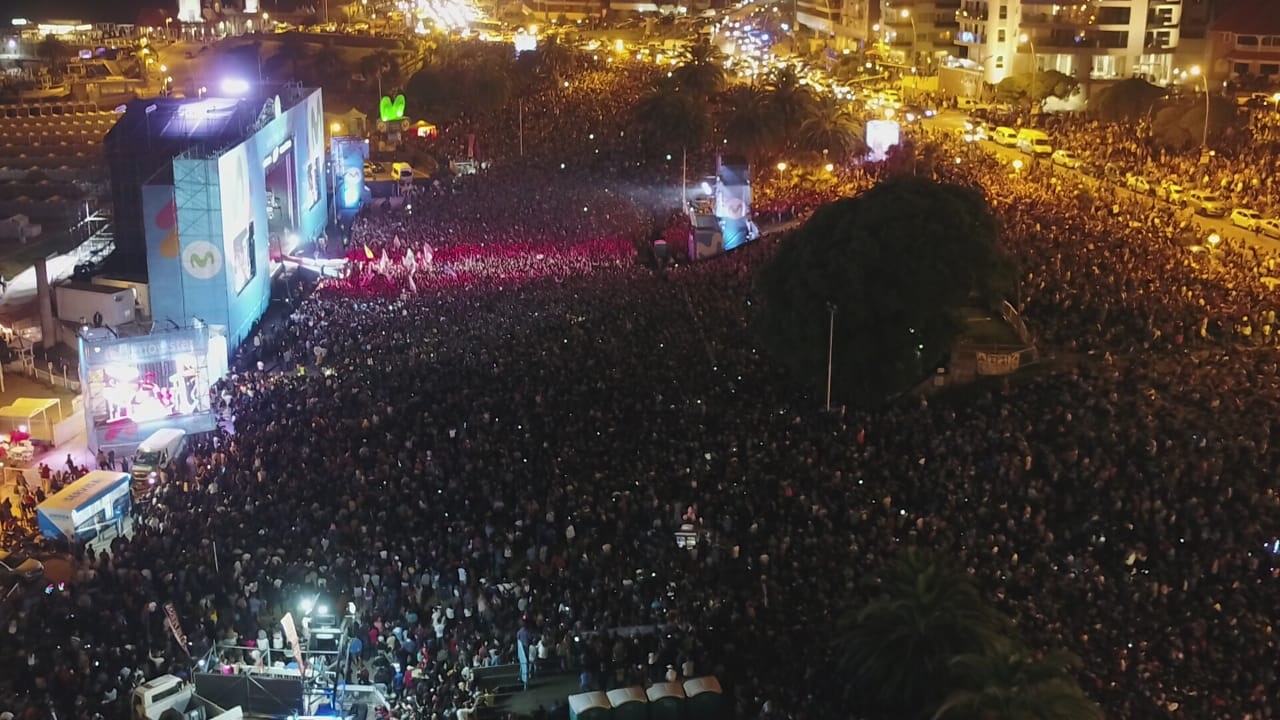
391 110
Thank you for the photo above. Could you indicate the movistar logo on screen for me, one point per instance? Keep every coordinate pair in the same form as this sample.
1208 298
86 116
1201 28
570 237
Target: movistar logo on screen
201 260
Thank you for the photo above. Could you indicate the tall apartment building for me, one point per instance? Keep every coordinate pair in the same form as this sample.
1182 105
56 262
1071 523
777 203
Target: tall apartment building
920 31
1098 40
846 22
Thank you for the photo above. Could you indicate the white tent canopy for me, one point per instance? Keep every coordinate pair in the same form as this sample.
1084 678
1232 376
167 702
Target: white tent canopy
698 686
658 691
586 702
622 696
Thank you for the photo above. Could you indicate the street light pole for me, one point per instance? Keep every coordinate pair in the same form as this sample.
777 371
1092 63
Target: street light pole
1035 66
795 24
831 339
1204 135
684 179
906 15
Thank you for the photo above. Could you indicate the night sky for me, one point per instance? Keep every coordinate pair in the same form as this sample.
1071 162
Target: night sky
123 11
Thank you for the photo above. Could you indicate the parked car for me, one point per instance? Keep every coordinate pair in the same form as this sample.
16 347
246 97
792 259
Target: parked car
1246 218
1137 184
1206 202
1006 136
1066 159
1270 227
19 567
1170 191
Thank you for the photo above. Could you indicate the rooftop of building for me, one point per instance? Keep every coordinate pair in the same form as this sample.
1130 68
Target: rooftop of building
185 124
1249 17
88 287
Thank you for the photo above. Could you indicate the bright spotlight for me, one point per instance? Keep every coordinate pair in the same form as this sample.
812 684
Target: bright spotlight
235 87
305 605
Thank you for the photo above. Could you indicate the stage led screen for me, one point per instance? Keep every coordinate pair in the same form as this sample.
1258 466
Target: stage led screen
881 135
349 154
135 386
237 216
313 163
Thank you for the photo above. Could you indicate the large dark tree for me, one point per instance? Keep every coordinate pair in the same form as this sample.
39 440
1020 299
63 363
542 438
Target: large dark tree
54 51
831 130
748 123
672 119
293 54
1181 125
700 70
898 648
1023 88
790 100
1013 685
1126 100
895 262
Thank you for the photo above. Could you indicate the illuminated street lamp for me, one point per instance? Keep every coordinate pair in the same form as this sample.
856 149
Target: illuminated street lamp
906 15
1215 240
1017 164
782 167
1035 64
1204 79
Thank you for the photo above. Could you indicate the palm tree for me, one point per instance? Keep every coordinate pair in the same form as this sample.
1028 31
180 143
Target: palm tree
383 67
329 68
553 58
791 99
898 646
1013 686
54 51
748 123
672 118
831 129
700 69
294 50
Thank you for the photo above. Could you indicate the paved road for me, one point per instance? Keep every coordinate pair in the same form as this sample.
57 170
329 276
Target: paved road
953 121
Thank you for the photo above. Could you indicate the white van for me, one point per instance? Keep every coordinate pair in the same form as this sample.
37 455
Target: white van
1034 142
156 451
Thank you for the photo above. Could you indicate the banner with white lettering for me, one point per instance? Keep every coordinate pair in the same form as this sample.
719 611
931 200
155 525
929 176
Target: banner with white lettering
291 633
998 363
175 627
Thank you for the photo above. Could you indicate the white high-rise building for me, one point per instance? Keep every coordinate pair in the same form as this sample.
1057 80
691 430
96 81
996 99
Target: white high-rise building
846 23
1098 40
189 11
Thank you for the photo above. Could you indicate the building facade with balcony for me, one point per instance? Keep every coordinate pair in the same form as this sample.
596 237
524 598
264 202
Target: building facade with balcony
1244 44
846 22
919 32
1099 40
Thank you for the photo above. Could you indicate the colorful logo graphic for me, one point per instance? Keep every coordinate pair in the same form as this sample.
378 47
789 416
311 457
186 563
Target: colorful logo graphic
391 110
167 221
202 260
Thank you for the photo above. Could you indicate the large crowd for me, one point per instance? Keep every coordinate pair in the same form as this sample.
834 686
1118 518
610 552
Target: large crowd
494 441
